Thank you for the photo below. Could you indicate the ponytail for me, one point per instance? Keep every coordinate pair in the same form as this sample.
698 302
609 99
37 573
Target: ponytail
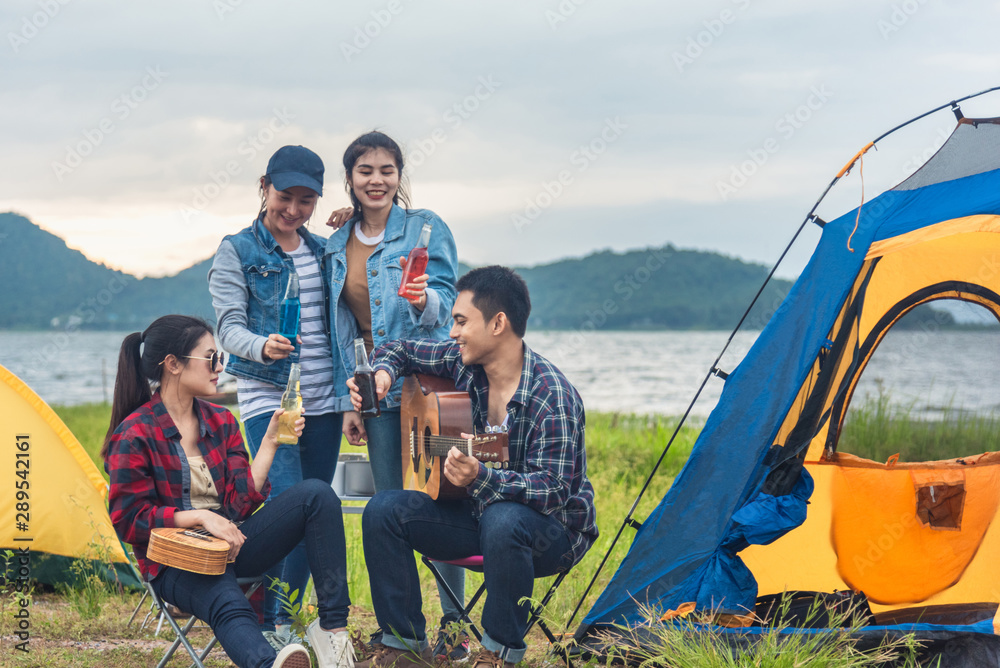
131 387
140 360
265 181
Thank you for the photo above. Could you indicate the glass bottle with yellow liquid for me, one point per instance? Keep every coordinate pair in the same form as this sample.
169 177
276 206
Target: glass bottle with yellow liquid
291 401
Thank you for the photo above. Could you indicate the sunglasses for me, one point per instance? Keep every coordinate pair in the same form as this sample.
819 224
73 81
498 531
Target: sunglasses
218 357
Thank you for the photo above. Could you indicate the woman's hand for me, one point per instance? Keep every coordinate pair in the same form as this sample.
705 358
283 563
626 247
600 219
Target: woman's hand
416 290
354 428
271 435
278 347
340 217
261 464
220 527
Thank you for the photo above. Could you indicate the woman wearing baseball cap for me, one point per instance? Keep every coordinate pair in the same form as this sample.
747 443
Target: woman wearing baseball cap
248 279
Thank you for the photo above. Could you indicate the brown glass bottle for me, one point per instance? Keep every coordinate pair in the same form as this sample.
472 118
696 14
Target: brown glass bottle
364 377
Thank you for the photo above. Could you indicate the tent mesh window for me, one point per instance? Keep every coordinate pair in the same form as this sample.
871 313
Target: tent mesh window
973 148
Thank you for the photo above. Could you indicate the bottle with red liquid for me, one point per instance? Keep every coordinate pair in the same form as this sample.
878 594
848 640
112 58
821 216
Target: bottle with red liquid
364 377
416 261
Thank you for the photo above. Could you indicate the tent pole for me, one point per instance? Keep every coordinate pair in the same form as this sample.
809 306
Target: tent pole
628 521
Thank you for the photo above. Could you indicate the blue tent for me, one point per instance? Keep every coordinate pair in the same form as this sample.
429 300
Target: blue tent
751 472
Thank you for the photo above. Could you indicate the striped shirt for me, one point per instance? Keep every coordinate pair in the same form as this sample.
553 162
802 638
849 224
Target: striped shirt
318 396
546 420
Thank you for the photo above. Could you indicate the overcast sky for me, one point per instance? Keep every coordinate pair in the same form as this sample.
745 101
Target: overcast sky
537 129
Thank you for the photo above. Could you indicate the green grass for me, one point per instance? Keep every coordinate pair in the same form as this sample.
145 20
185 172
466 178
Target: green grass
89 423
621 451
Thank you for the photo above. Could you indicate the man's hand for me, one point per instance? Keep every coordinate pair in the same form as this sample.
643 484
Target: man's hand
383 382
460 469
354 428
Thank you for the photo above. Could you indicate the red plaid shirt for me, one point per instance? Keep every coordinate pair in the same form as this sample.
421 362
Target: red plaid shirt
150 478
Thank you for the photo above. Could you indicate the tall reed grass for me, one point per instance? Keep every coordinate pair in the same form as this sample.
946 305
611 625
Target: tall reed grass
878 428
698 643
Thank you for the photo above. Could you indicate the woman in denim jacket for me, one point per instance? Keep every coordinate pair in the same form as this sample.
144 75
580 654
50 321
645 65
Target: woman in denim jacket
364 258
248 280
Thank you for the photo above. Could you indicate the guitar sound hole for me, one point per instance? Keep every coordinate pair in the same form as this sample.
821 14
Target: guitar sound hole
428 461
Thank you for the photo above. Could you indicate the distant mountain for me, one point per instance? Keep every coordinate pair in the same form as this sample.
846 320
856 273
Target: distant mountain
655 288
53 286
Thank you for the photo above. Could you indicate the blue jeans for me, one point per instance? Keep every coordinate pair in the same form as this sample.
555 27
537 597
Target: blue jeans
315 456
386 456
518 544
309 511
384 450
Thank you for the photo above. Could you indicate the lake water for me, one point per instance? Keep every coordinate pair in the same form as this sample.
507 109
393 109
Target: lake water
638 372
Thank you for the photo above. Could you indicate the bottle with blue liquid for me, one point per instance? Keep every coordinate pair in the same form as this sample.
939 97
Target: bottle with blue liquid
291 308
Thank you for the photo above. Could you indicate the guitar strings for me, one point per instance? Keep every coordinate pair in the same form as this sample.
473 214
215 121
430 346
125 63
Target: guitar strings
445 443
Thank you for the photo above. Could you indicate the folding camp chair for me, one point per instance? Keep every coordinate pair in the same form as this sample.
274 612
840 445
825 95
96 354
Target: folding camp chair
154 609
476 564
249 585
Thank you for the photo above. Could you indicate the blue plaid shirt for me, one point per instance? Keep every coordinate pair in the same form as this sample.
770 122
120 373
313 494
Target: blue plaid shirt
546 424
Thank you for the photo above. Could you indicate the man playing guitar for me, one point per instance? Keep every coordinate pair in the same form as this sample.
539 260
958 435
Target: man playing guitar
532 519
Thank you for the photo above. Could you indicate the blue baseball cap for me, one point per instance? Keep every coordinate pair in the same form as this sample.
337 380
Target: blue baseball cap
292 166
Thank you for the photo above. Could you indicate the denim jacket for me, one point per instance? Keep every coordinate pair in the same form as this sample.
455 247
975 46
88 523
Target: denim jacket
247 281
392 316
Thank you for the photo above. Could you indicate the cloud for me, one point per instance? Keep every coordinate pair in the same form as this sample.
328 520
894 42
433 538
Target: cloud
491 102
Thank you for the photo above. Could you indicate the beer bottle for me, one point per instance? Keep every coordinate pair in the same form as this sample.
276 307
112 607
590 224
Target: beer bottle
364 377
291 401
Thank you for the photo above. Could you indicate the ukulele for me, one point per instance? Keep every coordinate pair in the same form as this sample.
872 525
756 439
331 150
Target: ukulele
434 415
193 550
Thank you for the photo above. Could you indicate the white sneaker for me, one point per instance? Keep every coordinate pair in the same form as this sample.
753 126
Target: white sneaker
293 656
333 650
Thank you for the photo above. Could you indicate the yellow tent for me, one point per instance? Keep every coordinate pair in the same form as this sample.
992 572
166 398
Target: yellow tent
769 501
56 499
904 533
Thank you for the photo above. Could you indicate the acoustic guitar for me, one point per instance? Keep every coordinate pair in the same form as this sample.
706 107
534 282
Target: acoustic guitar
193 550
434 415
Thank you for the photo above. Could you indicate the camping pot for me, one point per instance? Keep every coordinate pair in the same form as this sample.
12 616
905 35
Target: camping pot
354 476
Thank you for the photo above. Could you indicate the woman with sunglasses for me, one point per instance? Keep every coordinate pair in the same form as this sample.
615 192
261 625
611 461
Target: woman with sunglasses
364 258
248 279
175 460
